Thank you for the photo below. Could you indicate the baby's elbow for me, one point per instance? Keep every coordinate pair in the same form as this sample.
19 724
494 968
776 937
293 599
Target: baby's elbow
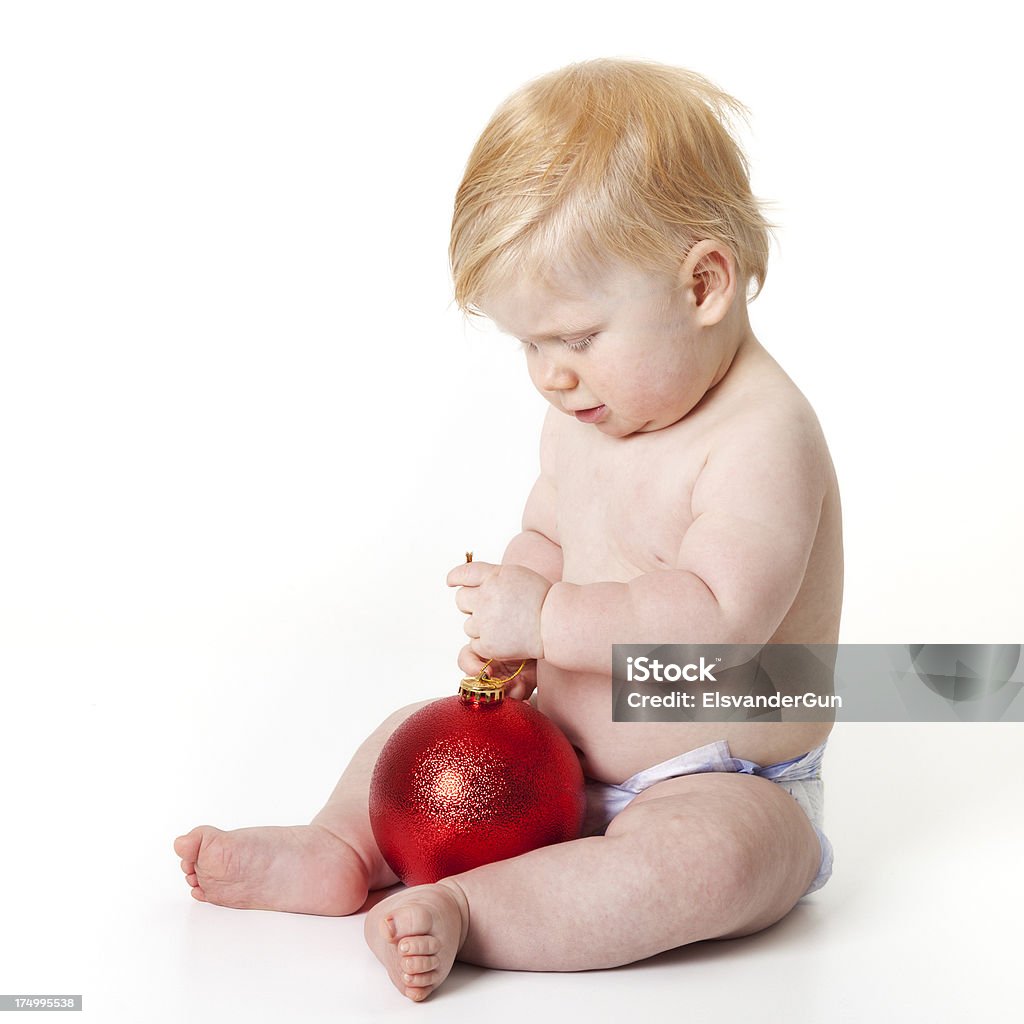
752 617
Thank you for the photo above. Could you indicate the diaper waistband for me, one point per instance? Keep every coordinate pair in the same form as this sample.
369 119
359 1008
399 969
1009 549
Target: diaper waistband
807 766
717 757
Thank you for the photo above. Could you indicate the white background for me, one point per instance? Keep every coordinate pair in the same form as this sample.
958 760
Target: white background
244 433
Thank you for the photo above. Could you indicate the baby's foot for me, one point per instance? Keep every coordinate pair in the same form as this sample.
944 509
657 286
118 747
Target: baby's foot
416 935
305 869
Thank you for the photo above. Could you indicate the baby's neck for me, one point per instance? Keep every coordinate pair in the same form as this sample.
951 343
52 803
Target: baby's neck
735 341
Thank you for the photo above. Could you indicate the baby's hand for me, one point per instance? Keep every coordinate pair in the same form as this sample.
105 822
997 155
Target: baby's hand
502 604
519 689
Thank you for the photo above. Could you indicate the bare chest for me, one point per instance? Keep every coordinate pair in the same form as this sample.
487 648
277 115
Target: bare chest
623 508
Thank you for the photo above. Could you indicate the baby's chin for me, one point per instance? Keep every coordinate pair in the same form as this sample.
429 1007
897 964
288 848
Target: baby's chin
609 422
613 425
624 426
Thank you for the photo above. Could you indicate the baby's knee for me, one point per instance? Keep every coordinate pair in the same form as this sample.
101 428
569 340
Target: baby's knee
396 718
676 840
748 847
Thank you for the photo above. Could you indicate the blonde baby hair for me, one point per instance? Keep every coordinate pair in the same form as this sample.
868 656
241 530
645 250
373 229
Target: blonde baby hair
605 159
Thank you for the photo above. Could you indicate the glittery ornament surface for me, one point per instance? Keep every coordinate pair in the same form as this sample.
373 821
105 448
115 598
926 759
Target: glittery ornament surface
460 784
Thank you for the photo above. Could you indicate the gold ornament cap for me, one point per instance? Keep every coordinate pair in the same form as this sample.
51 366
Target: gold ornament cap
482 689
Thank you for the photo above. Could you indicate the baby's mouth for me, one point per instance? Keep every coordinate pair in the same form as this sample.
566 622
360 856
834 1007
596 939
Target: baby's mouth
593 415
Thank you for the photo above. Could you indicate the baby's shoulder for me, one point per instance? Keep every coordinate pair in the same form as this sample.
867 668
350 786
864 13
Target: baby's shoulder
767 424
765 400
784 416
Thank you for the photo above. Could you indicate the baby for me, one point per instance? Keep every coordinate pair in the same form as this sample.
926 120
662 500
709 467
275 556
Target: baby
685 495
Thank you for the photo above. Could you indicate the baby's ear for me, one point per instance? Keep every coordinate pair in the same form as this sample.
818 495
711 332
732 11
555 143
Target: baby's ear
709 271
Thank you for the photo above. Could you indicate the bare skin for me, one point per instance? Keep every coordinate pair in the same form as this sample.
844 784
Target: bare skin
697 502
327 867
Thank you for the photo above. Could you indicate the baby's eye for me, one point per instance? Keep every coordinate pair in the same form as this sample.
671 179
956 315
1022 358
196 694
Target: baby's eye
579 346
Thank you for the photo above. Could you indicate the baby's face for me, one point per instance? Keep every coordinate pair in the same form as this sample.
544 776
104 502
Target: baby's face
619 349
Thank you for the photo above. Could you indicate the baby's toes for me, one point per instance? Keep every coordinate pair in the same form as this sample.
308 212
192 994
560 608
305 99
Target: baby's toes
418 964
419 982
413 921
413 946
187 848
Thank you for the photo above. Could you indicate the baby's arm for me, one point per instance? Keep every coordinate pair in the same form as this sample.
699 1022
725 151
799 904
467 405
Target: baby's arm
537 546
756 506
531 549
534 547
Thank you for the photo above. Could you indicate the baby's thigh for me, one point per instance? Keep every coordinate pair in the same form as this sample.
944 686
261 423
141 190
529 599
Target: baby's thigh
747 835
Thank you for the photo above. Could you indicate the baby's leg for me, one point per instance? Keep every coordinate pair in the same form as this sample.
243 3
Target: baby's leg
327 867
700 857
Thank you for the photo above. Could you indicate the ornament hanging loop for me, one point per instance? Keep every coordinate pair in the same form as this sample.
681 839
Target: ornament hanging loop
483 689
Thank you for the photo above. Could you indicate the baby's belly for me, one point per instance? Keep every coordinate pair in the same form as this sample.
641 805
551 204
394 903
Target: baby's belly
580 705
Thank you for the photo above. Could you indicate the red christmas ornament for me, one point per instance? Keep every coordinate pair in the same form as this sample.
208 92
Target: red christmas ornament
473 779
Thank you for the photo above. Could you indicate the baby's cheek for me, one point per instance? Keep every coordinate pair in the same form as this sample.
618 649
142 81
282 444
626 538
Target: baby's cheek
636 397
650 377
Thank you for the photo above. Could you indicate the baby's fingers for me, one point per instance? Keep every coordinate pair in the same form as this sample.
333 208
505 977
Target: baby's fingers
524 684
470 662
520 689
471 574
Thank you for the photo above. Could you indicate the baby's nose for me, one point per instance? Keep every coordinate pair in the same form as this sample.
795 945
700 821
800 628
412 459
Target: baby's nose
558 377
